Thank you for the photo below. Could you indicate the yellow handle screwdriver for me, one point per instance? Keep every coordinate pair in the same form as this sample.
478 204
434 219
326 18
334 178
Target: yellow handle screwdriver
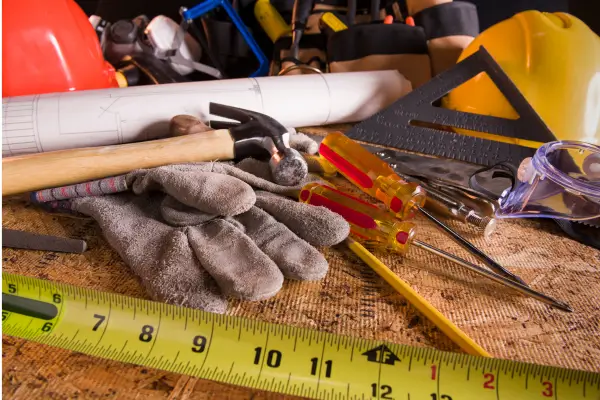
378 228
373 175
376 178
308 195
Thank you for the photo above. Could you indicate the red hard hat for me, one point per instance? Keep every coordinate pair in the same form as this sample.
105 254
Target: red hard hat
50 46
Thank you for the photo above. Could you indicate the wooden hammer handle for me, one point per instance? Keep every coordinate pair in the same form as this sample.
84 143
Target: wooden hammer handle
65 167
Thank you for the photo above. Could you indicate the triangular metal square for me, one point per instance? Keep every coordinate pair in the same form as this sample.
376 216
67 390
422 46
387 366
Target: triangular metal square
392 127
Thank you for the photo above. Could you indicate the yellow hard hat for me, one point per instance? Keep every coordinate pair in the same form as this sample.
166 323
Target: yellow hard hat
554 60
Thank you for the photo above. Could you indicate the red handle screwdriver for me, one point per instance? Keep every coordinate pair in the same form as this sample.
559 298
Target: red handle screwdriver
377 227
376 178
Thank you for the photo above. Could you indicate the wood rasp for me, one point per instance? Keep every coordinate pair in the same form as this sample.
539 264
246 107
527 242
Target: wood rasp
35 241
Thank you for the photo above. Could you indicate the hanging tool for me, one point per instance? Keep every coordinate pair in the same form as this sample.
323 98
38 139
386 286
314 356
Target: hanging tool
378 228
330 23
300 13
375 7
208 5
167 40
351 13
34 241
270 20
376 178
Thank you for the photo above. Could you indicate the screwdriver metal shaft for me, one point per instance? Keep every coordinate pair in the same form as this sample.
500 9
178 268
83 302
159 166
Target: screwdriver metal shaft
376 178
472 249
378 228
526 290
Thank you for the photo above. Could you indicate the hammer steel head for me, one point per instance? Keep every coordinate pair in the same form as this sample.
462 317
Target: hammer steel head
288 169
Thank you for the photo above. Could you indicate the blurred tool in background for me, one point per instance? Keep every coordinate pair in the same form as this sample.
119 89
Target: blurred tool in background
270 20
205 7
377 228
226 45
376 178
126 45
302 9
449 26
290 54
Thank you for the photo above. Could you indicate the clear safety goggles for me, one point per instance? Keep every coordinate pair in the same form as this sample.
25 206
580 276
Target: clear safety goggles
562 180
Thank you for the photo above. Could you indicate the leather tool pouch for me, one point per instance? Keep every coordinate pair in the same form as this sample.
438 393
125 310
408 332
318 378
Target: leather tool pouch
449 29
377 46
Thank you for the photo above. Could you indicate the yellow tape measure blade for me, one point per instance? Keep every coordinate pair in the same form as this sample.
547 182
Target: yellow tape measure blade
272 357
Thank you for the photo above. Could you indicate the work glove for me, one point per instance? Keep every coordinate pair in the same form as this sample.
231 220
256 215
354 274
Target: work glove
197 233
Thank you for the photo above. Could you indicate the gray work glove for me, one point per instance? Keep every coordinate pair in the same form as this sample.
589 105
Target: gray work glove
197 233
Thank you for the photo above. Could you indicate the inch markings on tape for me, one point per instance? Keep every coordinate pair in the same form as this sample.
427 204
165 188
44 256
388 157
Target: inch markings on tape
271 357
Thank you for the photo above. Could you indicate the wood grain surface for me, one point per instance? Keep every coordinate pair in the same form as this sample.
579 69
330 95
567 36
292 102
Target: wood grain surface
351 300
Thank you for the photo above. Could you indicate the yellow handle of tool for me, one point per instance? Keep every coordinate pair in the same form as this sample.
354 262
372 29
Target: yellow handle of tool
444 324
333 22
270 20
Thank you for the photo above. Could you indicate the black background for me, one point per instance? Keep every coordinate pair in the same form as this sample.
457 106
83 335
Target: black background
490 11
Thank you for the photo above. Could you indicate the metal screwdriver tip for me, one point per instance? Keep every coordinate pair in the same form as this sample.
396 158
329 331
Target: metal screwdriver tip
472 248
523 289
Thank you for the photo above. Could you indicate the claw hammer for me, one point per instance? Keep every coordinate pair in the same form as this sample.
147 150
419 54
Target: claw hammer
254 135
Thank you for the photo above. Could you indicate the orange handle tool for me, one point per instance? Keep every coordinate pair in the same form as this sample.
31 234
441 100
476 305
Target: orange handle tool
372 175
377 227
370 224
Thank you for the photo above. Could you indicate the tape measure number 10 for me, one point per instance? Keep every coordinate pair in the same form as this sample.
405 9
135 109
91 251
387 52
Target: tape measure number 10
266 356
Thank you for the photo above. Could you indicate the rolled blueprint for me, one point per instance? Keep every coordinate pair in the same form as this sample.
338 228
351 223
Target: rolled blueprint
57 121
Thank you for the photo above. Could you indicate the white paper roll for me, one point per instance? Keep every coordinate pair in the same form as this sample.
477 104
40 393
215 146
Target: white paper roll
57 121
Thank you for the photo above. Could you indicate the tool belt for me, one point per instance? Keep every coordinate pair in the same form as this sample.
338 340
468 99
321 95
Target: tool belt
434 44
449 29
377 46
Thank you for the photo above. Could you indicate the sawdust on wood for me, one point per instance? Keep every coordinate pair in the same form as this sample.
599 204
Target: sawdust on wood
351 300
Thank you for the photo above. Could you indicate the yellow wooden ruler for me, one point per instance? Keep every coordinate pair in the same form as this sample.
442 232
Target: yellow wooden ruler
266 356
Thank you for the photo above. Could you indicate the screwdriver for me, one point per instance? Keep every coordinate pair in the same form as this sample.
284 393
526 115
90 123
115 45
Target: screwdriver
376 178
376 227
